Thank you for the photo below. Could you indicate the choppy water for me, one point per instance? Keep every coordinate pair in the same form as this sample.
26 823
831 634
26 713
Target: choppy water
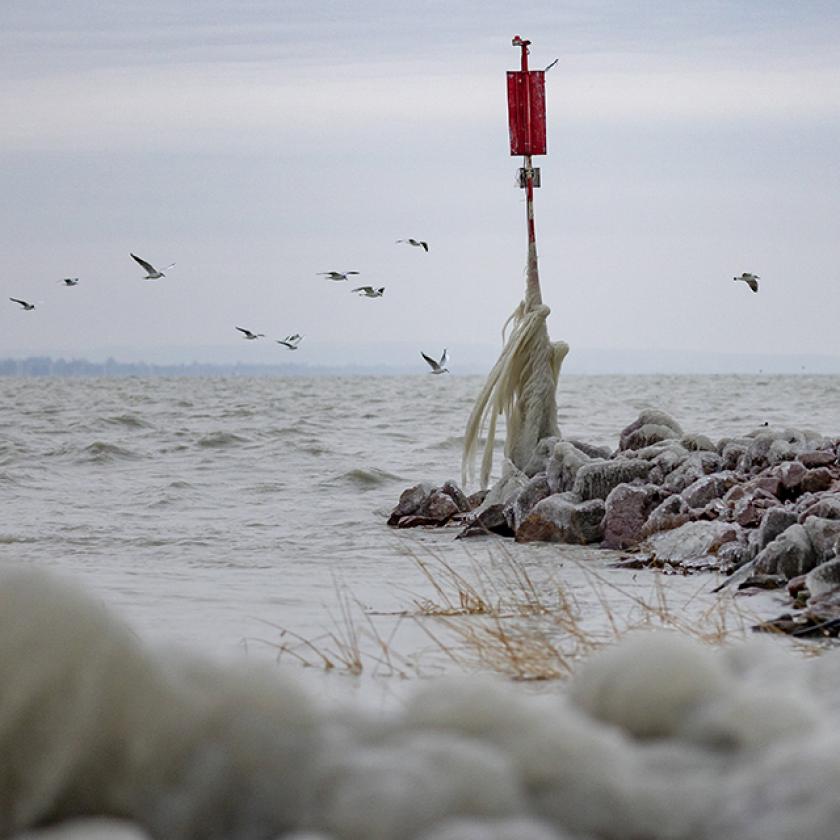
202 509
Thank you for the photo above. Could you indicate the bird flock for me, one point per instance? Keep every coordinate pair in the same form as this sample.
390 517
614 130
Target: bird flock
291 342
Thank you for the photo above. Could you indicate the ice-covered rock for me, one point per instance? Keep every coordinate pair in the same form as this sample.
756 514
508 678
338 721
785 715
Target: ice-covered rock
596 479
563 466
542 453
823 534
775 521
694 544
556 519
789 555
627 509
701 491
522 503
651 426
671 513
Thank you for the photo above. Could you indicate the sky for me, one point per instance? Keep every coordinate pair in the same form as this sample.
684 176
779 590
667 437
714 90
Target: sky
257 143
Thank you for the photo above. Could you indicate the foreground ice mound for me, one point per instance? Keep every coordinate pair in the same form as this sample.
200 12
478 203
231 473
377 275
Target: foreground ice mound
657 737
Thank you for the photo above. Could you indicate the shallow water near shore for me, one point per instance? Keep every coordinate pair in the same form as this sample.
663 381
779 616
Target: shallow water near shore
211 513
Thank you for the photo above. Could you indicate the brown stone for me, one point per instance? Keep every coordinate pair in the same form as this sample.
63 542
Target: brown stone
627 508
817 479
817 458
556 519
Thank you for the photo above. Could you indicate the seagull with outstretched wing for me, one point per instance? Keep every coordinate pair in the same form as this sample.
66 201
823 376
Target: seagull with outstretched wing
291 341
151 272
750 279
437 367
337 275
25 304
369 291
70 281
250 335
417 243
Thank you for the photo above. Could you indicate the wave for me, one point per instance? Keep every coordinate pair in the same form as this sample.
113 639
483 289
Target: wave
131 421
101 452
363 479
219 440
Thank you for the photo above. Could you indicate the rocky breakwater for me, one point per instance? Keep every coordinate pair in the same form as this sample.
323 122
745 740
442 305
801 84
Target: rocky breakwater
762 507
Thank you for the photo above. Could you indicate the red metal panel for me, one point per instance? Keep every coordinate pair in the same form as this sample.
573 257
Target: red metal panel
526 112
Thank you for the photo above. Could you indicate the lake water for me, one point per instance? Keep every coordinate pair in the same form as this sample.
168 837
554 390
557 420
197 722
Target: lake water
209 512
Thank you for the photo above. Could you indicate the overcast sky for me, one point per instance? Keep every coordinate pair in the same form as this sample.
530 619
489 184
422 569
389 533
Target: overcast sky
258 143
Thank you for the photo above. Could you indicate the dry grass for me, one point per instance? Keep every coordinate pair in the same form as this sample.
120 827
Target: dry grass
496 616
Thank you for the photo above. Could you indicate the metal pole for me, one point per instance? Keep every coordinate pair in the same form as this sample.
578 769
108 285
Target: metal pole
534 295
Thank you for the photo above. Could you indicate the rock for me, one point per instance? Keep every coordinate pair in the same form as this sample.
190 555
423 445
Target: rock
476 499
823 611
451 489
490 520
791 474
563 466
826 507
823 534
732 453
781 450
661 427
542 452
591 449
439 507
556 519
695 466
775 521
700 492
409 502
520 506
750 509
732 554
627 509
817 458
693 545
671 513
646 435
415 521
698 443
817 479
823 578
789 555
596 479
769 484
511 482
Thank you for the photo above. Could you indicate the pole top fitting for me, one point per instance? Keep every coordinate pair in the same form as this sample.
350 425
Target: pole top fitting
518 42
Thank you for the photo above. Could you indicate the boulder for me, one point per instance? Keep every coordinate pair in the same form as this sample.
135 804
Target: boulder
556 519
596 479
700 492
823 534
823 578
789 555
698 443
661 426
775 521
692 545
451 489
732 453
489 520
827 507
520 506
563 466
409 502
627 509
790 474
817 458
439 507
750 509
816 479
695 466
671 513
646 435
590 449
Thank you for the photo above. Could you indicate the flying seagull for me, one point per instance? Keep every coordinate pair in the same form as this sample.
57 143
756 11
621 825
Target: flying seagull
151 272
437 367
249 335
337 275
70 281
369 291
291 341
750 279
417 243
23 303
